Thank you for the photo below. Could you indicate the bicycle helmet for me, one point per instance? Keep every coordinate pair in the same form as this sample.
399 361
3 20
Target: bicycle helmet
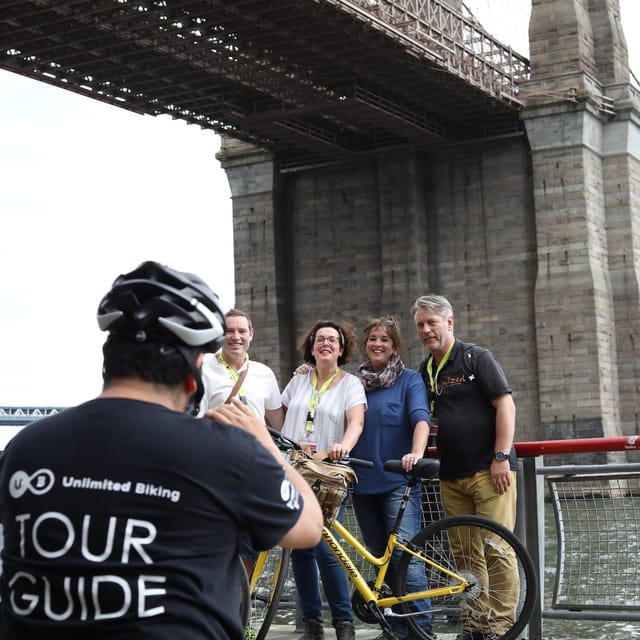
155 303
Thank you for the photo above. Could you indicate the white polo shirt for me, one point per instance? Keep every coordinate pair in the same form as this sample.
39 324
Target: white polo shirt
260 387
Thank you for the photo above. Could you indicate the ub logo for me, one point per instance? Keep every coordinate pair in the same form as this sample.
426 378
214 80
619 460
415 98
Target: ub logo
38 482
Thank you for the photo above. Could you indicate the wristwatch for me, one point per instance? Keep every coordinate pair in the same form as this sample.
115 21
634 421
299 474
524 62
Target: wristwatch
501 456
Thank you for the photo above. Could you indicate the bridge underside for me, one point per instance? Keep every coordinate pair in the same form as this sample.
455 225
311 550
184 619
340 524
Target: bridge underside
312 81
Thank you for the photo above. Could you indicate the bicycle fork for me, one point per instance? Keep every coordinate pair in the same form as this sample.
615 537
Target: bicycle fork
368 595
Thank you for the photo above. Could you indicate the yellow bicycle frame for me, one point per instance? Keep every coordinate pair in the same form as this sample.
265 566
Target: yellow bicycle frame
256 572
459 583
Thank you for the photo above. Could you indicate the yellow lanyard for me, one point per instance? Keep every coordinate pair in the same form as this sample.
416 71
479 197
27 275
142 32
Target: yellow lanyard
315 397
232 374
433 380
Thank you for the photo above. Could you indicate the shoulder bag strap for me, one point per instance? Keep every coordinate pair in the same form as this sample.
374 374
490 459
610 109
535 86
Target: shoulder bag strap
237 385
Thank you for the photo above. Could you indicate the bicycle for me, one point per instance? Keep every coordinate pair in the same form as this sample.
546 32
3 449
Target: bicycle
244 596
465 560
264 588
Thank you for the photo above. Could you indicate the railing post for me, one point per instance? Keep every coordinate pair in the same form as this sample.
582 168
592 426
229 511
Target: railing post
531 530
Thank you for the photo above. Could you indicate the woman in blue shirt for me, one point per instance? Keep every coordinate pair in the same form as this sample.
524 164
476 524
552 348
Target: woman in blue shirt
396 427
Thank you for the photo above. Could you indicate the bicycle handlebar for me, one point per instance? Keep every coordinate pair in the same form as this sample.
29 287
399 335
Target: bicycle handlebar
424 468
286 444
283 443
357 462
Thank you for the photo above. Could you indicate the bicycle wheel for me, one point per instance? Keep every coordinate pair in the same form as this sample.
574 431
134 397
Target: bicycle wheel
273 566
244 595
502 579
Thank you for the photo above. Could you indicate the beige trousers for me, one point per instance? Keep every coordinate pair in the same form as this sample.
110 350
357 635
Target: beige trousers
485 557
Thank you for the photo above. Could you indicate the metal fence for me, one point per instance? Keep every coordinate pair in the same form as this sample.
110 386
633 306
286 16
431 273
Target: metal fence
597 520
581 524
584 534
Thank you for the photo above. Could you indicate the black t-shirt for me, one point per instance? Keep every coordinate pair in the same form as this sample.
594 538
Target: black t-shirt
466 418
121 520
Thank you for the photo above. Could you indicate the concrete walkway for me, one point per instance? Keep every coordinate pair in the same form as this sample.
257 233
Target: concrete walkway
288 632
363 632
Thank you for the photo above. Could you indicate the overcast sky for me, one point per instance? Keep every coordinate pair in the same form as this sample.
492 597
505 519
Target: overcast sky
88 191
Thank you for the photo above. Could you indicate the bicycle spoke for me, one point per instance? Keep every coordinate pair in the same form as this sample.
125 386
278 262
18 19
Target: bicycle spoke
501 582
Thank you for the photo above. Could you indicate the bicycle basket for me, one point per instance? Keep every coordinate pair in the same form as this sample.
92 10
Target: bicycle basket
330 482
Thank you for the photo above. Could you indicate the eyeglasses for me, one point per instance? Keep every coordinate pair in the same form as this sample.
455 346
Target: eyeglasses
327 339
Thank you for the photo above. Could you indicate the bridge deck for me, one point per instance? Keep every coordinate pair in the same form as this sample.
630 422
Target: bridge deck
309 79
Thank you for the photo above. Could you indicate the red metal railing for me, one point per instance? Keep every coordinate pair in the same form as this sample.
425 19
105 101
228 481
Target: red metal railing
577 445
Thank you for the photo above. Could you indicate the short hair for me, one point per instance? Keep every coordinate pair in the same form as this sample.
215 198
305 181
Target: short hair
152 362
434 303
392 328
241 314
346 335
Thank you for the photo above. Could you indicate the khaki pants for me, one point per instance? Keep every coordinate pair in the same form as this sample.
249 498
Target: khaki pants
485 559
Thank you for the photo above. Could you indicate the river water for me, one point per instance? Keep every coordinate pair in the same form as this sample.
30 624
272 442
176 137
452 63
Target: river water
603 562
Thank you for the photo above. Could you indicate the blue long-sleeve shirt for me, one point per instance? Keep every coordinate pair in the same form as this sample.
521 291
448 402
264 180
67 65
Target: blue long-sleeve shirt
389 423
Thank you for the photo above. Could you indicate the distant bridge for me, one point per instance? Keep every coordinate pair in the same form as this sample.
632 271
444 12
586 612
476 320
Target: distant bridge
19 416
312 80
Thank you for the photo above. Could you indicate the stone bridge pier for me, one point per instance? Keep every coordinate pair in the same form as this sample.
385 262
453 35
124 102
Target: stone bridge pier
534 238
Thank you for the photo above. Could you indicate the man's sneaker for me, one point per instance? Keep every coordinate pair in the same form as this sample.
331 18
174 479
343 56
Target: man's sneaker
345 630
477 635
313 630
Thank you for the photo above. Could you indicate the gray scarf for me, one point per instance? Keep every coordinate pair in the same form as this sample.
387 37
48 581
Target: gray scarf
373 380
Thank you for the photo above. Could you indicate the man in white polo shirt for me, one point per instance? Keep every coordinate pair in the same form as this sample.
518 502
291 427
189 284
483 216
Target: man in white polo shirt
230 372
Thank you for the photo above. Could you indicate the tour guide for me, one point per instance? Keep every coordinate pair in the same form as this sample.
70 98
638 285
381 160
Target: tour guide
121 516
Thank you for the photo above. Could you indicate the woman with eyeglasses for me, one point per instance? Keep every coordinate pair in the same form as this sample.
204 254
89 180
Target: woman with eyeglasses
324 411
396 427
